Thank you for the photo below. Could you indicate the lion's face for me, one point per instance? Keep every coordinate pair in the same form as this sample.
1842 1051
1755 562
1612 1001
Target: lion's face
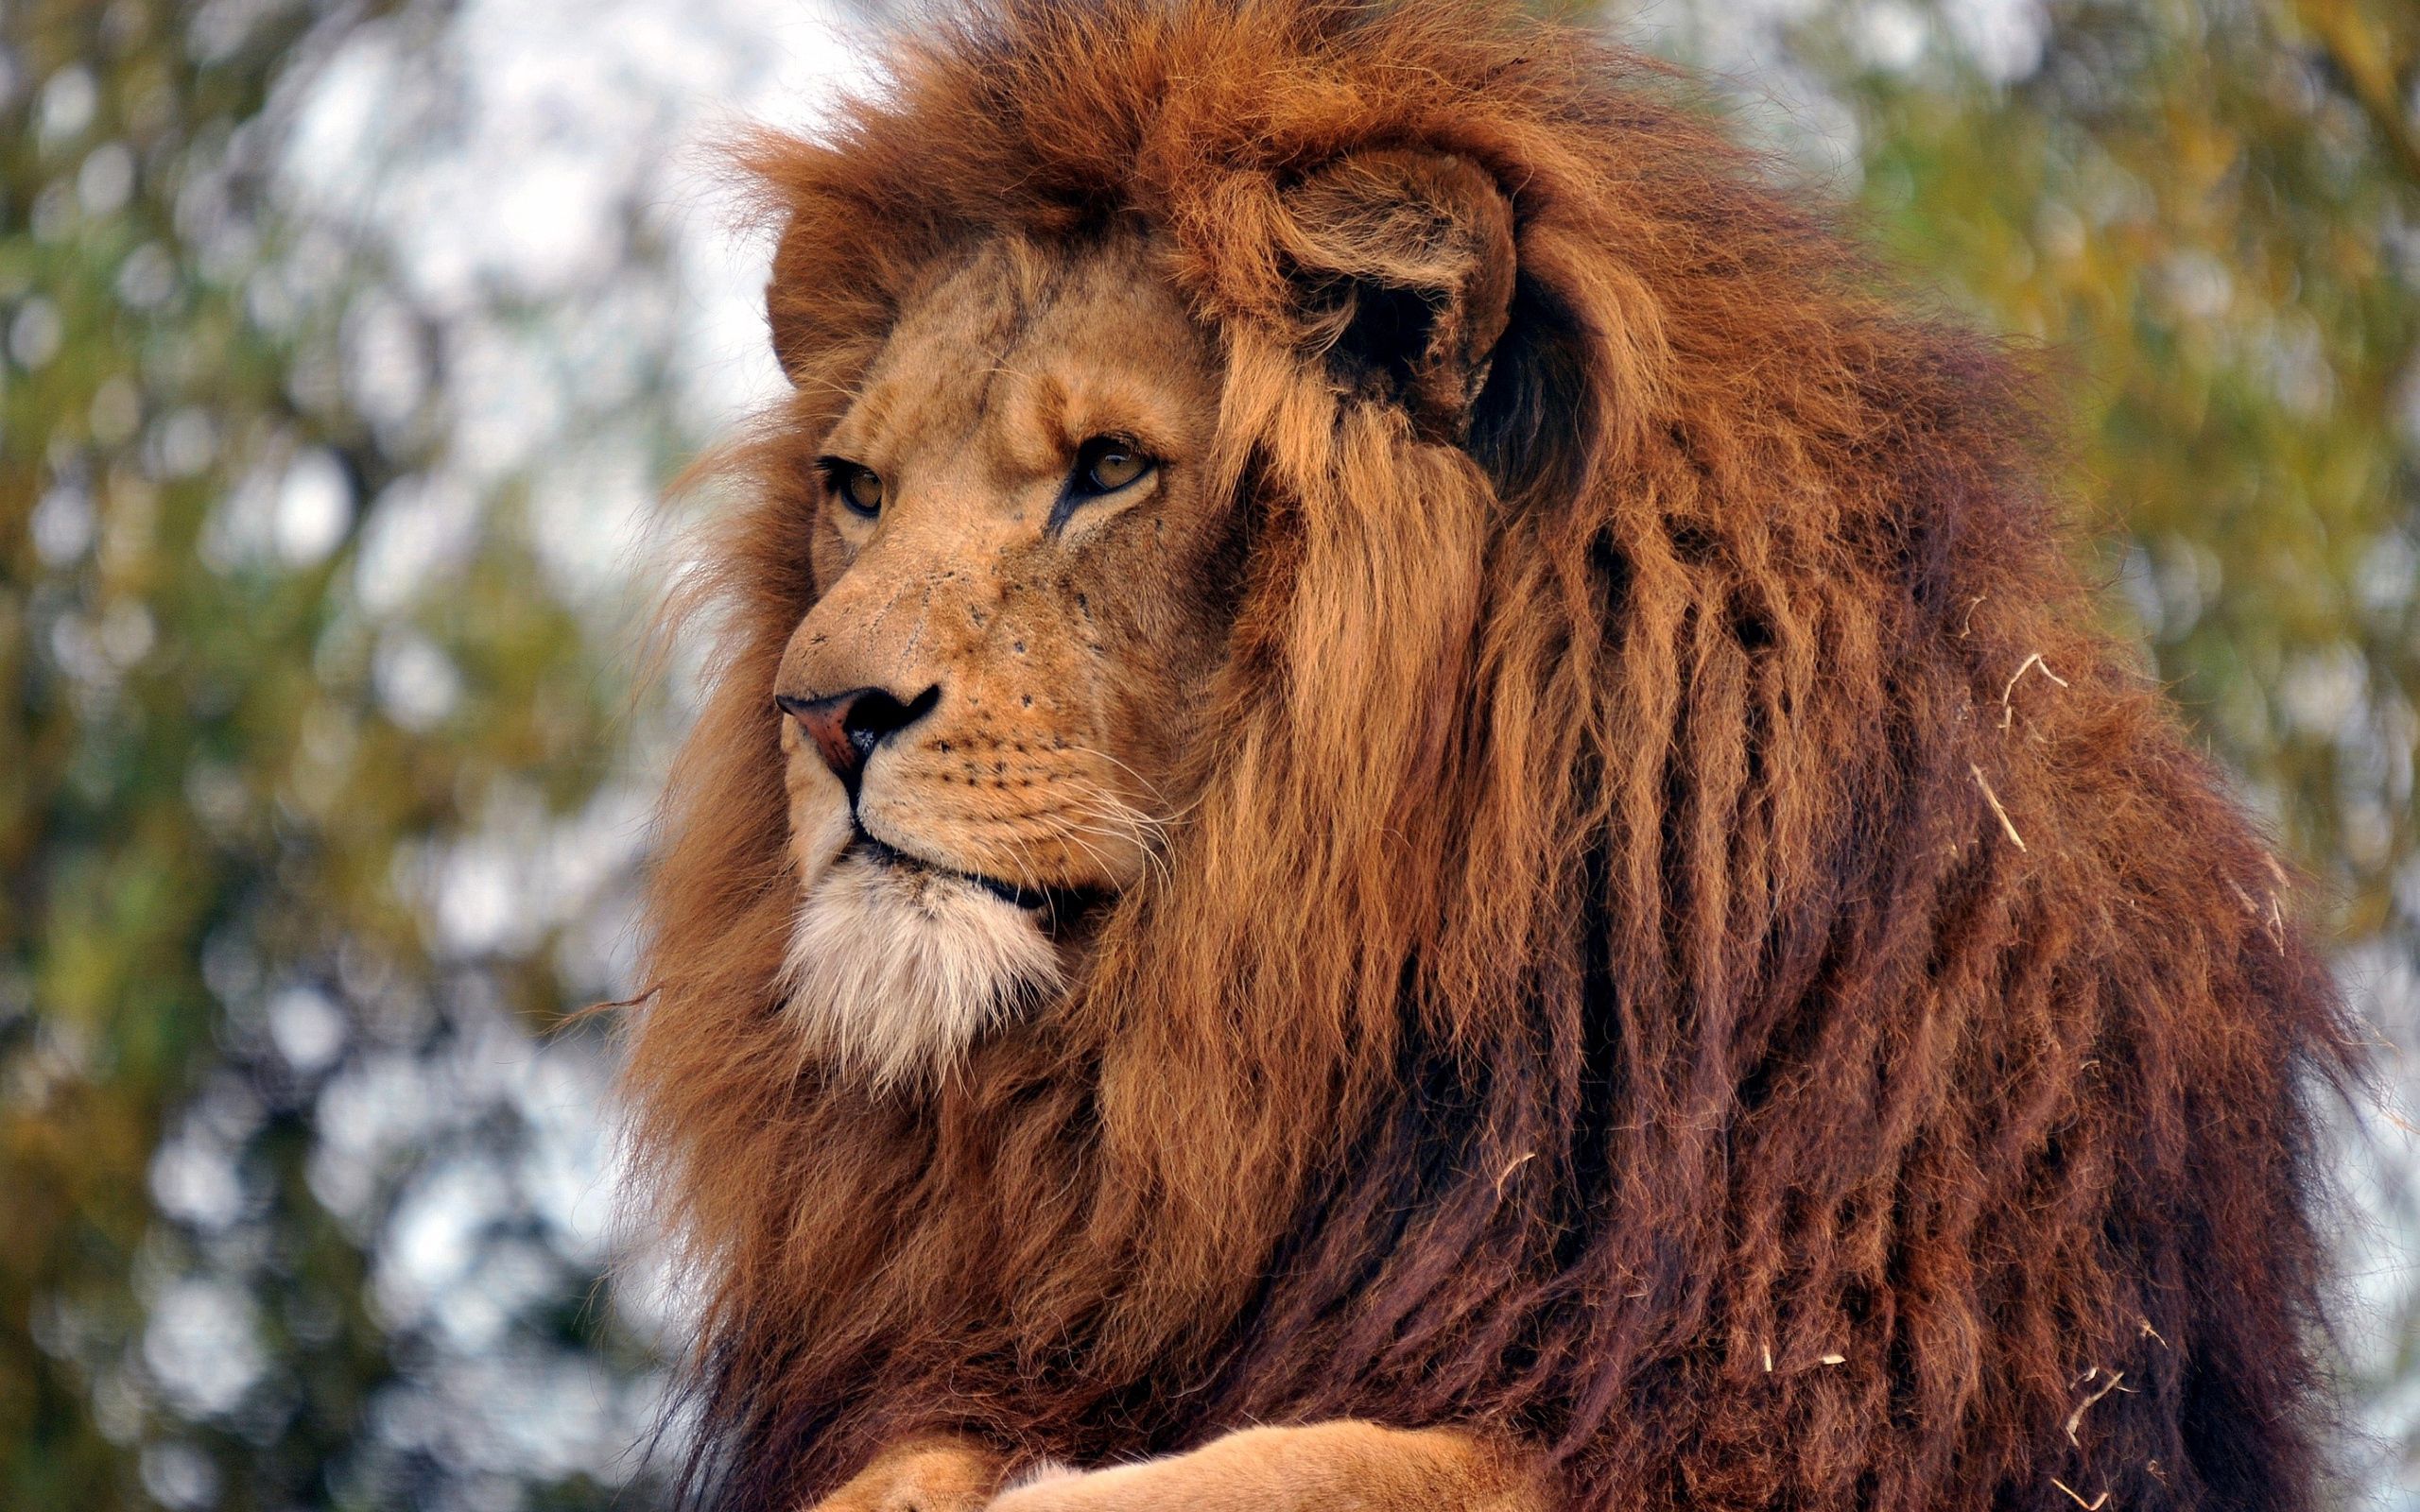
1020 563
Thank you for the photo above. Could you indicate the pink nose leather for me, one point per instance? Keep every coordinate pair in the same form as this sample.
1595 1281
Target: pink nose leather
846 727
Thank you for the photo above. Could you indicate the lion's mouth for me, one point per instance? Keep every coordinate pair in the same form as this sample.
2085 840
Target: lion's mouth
1036 900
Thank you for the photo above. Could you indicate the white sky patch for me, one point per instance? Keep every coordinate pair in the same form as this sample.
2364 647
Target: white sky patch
308 1029
2003 38
194 1180
419 529
1891 34
290 513
202 1346
589 514
415 681
314 509
1781 106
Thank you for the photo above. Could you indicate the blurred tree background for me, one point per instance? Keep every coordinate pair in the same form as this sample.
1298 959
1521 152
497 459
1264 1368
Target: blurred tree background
342 349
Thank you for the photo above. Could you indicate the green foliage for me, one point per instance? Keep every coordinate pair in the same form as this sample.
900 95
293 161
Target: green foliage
217 772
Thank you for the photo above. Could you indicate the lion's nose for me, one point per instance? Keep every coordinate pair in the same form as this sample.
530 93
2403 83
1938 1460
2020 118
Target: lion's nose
846 727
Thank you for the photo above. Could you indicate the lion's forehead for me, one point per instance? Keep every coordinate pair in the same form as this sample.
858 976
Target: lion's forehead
1016 348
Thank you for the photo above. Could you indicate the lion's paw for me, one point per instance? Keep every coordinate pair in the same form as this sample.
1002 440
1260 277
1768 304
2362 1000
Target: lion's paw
929 1475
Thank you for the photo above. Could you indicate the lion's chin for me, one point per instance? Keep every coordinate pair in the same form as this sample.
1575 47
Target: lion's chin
895 970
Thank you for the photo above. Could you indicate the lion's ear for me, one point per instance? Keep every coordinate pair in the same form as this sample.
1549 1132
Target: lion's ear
786 307
1405 261
810 312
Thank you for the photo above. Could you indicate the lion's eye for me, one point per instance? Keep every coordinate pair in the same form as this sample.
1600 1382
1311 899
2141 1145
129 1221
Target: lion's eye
1106 464
859 488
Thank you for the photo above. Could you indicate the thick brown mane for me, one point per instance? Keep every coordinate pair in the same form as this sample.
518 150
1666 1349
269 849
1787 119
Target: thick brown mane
1690 951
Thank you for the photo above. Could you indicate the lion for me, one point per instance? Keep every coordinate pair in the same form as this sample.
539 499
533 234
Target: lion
1407 801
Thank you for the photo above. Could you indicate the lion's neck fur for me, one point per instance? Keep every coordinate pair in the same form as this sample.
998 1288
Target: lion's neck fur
1602 980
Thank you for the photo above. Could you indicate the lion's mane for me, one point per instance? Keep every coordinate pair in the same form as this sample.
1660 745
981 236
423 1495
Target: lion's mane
1690 950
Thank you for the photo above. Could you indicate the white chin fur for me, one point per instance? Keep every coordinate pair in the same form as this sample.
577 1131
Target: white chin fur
893 972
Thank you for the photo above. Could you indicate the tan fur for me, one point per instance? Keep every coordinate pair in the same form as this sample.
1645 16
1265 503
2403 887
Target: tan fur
1335 1467
927 1473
